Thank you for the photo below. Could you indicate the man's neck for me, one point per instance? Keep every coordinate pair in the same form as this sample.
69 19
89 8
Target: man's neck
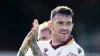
55 41
55 44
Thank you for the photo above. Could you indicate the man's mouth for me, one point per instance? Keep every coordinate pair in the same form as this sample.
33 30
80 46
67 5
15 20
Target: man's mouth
64 32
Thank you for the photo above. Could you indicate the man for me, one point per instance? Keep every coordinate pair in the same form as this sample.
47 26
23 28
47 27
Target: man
44 33
62 42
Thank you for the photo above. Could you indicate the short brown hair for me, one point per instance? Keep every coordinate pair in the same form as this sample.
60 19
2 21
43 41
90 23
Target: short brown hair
61 10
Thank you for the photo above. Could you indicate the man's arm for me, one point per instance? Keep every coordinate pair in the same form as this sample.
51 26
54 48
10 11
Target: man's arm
21 53
25 45
31 41
35 48
33 44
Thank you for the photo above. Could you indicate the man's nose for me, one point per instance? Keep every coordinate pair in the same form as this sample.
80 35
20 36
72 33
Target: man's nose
64 27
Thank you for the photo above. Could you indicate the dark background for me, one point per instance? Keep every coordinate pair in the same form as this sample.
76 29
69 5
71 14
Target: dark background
16 17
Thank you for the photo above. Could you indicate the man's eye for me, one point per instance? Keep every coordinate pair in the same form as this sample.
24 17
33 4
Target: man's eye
60 22
69 23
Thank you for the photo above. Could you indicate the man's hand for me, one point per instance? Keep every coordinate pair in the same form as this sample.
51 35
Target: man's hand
35 30
26 43
33 44
29 38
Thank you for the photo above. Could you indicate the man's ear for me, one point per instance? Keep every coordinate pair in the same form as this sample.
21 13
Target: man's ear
72 25
50 25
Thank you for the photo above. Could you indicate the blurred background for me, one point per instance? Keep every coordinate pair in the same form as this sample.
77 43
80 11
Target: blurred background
16 17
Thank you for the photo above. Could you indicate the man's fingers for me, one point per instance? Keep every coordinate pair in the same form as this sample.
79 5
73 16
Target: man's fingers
35 21
30 37
33 30
29 34
35 24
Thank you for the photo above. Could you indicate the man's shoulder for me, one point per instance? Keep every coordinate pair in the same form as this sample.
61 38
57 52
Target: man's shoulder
79 49
75 46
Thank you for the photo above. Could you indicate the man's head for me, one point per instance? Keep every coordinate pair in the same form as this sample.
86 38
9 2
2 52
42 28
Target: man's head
61 23
44 31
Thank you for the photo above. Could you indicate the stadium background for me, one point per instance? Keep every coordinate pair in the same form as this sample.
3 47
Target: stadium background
16 17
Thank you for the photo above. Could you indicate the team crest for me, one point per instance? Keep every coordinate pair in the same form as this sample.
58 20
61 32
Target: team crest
45 49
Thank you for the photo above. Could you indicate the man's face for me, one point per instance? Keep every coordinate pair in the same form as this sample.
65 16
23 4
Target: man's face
45 35
62 26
